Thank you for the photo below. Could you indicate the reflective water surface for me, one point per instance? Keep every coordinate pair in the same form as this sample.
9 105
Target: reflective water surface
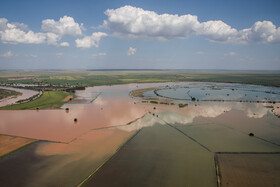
220 91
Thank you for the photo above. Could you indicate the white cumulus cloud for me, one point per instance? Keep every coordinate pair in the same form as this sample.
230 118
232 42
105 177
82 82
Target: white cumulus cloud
262 31
64 26
21 26
8 54
64 44
132 22
15 33
12 33
89 41
33 56
217 31
3 24
136 22
58 54
99 54
230 54
200 53
52 38
131 51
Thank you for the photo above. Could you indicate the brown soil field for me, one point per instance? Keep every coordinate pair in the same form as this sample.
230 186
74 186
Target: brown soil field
67 98
11 143
249 169
139 92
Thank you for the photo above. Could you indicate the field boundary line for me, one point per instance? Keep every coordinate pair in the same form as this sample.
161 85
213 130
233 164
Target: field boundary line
109 127
109 158
247 153
242 132
218 173
194 140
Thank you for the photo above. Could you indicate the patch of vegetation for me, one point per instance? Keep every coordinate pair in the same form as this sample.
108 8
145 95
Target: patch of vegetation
49 100
268 106
140 92
154 102
182 105
7 93
29 99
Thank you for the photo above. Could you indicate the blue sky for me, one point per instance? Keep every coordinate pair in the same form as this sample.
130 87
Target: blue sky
140 34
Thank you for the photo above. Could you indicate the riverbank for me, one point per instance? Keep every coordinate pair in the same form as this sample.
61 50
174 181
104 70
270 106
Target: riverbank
5 93
48 100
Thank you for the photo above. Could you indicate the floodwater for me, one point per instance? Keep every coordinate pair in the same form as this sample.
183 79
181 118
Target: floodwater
220 91
149 144
25 95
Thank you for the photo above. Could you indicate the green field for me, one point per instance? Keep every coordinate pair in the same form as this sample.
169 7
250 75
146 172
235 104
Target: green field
96 78
7 93
49 100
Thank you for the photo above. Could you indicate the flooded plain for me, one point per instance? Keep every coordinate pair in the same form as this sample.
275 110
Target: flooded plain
123 140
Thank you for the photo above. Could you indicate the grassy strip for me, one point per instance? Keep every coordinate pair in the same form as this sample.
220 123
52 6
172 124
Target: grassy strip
218 172
49 100
7 93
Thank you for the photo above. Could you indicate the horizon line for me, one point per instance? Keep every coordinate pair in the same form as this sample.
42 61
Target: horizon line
139 69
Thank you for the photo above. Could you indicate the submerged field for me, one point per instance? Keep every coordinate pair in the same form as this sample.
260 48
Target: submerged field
143 134
250 169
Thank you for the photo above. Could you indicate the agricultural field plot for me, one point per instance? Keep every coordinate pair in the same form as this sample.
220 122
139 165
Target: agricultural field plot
158 156
222 139
58 164
9 144
262 123
242 170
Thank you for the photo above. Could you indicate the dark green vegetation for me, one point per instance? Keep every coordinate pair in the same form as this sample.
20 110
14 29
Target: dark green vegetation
7 93
95 78
182 105
49 99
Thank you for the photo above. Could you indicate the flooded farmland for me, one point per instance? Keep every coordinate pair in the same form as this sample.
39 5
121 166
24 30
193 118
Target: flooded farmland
173 135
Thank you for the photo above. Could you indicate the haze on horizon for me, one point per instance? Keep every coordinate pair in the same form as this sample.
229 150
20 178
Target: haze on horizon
234 35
